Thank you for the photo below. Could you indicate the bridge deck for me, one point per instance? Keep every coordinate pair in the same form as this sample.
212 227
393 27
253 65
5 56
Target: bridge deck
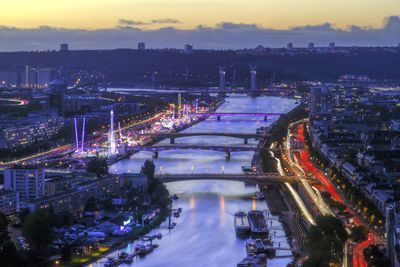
189 134
202 147
230 177
237 114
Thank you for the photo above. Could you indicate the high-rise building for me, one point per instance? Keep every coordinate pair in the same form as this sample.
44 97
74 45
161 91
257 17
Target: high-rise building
319 101
37 77
28 182
332 45
310 45
141 46
58 88
222 78
9 202
188 48
64 47
289 46
253 78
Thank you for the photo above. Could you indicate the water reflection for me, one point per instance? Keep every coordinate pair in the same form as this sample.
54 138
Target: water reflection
205 235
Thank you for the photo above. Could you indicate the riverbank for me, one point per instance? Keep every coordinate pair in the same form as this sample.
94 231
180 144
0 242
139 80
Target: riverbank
278 199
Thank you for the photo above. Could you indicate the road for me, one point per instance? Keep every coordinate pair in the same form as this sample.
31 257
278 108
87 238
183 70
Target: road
309 167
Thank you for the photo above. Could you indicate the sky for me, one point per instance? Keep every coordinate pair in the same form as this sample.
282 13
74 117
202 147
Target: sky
42 24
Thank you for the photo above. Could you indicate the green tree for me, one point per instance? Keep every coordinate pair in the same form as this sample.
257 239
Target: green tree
99 166
325 241
22 214
3 227
8 254
359 233
149 169
37 231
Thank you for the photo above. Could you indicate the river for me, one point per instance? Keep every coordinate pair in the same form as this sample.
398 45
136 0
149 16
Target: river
205 235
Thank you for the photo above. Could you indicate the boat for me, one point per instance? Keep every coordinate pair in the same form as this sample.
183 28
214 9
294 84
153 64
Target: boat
241 221
257 223
123 255
129 259
142 250
111 262
254 260
259 246
251 247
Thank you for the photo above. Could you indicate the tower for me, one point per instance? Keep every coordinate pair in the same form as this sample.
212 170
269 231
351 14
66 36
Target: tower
222 78
76 135
253 80
222 81
64 47
112 149
83 133
141 46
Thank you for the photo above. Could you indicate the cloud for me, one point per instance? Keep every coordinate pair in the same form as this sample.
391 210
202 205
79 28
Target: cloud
130 22
225 35
166 21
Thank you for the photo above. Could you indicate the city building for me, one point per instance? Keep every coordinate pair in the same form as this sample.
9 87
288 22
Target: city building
141 46
222 78
188 49
36 127
253 78
310 46
289 46
28 182
75 197
332 45
318 100
393 234
64 47
36 77
9 202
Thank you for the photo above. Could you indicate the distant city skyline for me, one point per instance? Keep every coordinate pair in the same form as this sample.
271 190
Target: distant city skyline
222 24
188 14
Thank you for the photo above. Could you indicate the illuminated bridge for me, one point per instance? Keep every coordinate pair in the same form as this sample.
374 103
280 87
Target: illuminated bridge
158 148
166 178
173 136
265 115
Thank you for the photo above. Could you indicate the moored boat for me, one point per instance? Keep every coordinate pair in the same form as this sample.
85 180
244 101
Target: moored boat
257 223
241 222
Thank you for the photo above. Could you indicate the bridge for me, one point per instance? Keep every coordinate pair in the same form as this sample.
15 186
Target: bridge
237 114
173 136
168 178
174 90
158 148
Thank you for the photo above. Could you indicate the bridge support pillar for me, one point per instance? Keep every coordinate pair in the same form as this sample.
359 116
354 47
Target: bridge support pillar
265 118
155 155
218 118
228 155
172 140
246 141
